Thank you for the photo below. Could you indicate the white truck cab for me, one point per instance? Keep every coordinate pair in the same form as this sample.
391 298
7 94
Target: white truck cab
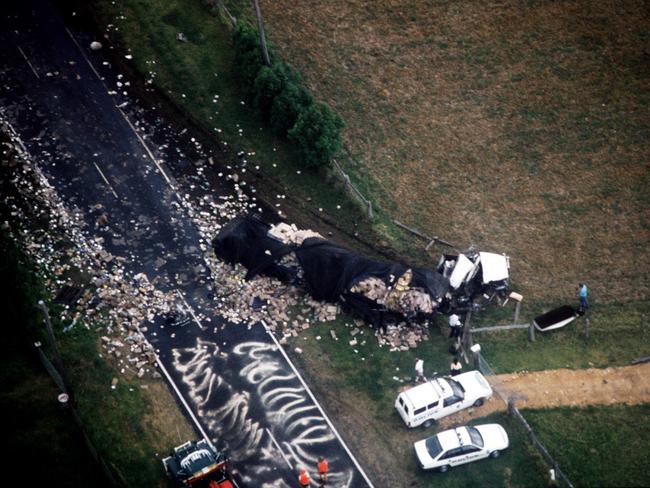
442 396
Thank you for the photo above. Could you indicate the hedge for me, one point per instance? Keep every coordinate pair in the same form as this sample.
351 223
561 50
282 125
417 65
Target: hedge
284 102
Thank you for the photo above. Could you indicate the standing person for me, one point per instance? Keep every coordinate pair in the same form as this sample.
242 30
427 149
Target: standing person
455 367
582 293
323 468
454 326
304 478
419 369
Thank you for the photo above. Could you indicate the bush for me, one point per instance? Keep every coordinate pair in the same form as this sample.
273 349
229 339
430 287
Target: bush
248 57
270 82
317 133
287 106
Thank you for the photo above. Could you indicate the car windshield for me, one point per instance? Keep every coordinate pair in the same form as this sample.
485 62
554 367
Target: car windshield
475 436
456 387
433 446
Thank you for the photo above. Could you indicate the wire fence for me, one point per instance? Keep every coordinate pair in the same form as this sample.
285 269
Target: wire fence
353 190
556 474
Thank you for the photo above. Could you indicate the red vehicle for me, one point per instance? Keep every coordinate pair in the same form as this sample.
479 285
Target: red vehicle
199 465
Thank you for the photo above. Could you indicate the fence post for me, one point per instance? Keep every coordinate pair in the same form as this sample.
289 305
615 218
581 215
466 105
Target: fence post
260 28
517 310
531 332
587 329
58 362
642 324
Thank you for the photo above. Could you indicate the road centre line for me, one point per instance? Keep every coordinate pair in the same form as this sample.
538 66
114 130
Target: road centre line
105 180
320 408
279 448
28 62
137 134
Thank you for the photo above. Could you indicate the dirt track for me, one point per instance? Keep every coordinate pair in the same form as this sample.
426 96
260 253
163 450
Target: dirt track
565 387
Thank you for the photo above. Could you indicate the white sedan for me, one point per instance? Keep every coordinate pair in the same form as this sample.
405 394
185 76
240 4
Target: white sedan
461 445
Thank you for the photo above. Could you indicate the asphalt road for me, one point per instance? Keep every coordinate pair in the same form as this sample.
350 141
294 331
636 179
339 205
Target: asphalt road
107 154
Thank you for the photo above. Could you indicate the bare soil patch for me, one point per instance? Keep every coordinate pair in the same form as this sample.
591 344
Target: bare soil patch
628 385
517 127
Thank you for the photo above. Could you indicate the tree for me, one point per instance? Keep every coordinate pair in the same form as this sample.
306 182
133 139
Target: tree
317 133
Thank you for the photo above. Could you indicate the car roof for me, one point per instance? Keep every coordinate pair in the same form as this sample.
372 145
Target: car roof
449 439
423 394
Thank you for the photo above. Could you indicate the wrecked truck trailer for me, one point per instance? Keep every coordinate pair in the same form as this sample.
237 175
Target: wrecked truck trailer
379 292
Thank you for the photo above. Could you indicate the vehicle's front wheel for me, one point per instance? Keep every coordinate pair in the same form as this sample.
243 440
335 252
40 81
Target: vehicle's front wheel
444 469
428 423
495 454
479 402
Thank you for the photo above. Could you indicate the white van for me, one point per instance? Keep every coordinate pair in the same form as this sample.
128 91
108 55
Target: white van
442 396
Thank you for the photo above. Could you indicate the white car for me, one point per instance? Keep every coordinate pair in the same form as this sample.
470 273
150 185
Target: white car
461 445
442 396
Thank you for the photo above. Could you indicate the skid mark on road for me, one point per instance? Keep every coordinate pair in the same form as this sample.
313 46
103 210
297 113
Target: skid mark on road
293 430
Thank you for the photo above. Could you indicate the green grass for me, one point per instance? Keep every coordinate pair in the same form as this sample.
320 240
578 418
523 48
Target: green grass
121 423
597 446
615 339
41 437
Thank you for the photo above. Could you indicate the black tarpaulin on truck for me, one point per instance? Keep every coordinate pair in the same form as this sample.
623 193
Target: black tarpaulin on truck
244 240
330 270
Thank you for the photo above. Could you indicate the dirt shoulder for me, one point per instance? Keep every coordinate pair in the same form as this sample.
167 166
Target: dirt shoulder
628 385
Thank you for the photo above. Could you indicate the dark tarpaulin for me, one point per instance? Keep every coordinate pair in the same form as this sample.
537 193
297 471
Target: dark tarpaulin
244 240
330 270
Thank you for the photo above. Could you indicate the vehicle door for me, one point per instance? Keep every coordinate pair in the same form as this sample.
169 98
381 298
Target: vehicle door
470 453
450 405
452 456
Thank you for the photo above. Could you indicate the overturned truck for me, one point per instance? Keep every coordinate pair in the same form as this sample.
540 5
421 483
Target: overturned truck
381 293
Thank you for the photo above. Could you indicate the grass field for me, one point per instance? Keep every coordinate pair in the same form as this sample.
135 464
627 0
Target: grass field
520 127
597 446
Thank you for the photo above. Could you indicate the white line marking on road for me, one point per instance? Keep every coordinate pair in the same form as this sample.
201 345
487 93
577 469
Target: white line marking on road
329 422
279 449
190 310
105 180
146 148
83 54
180 397
29 63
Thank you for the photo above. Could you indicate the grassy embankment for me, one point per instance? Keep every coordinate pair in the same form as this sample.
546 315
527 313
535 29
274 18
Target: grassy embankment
131 426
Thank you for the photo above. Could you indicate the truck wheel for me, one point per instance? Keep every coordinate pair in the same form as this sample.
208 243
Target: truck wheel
495 454
479 402
428 423
444 469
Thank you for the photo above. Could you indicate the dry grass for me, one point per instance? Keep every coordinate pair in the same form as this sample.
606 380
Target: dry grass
516 127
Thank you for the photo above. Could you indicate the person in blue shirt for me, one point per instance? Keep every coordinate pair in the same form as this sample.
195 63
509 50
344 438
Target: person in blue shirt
582 292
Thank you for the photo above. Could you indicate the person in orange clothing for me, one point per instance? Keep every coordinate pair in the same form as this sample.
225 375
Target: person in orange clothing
323 468
304 478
